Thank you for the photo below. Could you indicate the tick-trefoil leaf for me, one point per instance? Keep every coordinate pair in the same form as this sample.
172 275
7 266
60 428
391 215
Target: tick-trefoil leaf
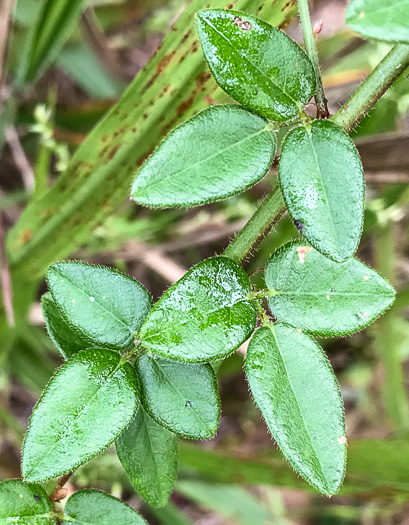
85 406
256 64
93 507
220 152
183 397
379 19
323 186
24 503
315 294
205 315
107 306
149 454
296 390
66 338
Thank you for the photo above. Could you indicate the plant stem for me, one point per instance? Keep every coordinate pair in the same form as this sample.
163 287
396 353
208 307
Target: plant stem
259 224
311 49
394 394
374 86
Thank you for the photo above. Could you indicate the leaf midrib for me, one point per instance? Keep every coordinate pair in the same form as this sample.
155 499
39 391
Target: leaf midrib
171 174
244 57
198 415
332 294
189 319
334 231
85 294
298 406
37 516
65 434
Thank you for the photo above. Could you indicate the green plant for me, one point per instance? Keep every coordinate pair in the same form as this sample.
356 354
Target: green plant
141 374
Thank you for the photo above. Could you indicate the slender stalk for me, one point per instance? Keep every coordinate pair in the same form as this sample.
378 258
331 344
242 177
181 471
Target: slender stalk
348 116
311 49
260 223
374 86
394 394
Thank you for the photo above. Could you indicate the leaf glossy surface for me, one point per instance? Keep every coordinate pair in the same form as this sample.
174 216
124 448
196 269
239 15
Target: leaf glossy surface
256 64
85 406
205 315
219 152
94 507
149 454
296 390
24 503
323 297
379 19
323 186
183 397
108 307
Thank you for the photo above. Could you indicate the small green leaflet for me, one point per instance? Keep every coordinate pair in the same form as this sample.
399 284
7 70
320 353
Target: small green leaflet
380 19
297 392
108 307
205 315
24 503
182 397
85 406
93 507
149 454
66 338
323 186
322 297
256 64
220 152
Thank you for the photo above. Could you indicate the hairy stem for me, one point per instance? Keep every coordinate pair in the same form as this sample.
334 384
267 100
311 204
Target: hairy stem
348 116
374 86
259 224
311 49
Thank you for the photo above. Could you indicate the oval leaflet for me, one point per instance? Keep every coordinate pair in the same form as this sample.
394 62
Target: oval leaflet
323 297
85 406
218 153
256 64
205 315
296 390
322 181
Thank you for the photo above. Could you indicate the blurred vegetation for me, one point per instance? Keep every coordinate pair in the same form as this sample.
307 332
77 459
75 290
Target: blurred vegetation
63 193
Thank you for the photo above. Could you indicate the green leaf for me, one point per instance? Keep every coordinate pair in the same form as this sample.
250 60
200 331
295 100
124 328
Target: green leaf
24 503
149 455
322 297
205 315
86 405
66 338
297 392
256 64
93 507
182 397
379 19
108 307
323 186
220 152
52 27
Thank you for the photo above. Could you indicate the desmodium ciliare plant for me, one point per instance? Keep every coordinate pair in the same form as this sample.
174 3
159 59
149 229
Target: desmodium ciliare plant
139 374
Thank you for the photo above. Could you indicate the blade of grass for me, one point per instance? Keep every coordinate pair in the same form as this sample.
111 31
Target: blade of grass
170 88
52 27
